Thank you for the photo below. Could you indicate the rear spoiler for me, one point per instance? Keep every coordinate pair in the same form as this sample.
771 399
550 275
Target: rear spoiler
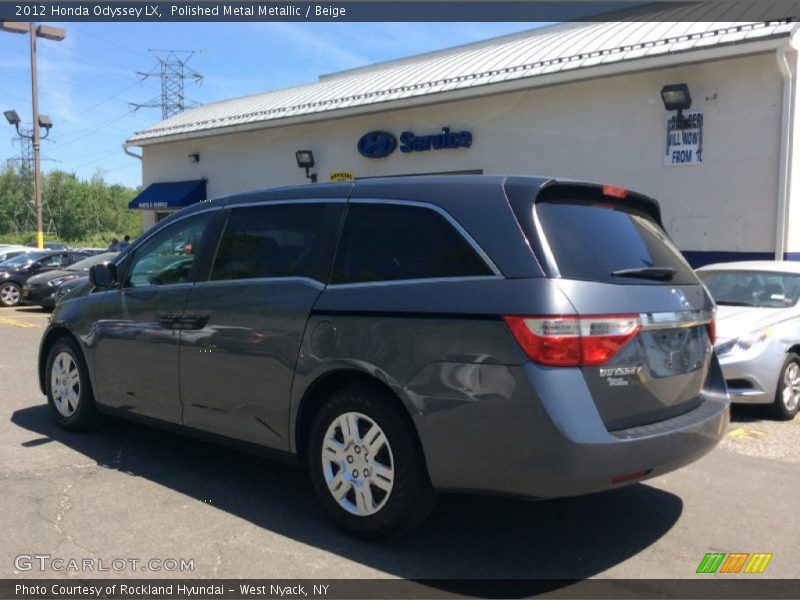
553 191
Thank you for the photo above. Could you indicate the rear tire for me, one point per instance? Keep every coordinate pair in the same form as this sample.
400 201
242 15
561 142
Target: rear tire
366 465
69 392
787 396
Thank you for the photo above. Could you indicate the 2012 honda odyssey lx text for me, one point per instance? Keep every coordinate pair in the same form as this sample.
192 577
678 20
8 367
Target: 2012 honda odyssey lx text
405 336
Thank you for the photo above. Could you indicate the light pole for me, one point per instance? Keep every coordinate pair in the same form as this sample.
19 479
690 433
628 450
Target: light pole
49 33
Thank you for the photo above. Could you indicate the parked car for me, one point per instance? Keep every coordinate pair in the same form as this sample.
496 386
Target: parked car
50 246
758 331
15 272
41 288
404 336
10 251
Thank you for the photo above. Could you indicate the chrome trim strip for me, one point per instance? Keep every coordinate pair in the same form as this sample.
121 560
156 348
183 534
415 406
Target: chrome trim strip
248 203
312 282
548 251
449 218
362 284
677 319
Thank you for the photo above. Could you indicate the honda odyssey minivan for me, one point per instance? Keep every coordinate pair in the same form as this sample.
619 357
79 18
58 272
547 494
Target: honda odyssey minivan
406 336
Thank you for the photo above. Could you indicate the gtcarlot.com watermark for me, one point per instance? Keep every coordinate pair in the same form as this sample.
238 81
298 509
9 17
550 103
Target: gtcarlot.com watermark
57 564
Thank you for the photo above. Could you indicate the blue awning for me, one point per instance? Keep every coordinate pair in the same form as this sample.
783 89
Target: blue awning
170 195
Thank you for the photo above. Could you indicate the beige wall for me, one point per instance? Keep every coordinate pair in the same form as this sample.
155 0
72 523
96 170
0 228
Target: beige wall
608 130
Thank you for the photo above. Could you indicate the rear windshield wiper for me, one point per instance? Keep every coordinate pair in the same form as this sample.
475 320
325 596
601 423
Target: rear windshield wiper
657 273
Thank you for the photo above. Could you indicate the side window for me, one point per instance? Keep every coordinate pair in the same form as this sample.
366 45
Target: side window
57 260
168 257
389 242
279 240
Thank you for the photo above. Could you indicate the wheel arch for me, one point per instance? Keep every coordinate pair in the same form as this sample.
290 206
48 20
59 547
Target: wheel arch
329 383
49 339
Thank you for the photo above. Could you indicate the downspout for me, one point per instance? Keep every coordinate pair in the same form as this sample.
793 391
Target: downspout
129 153
785 153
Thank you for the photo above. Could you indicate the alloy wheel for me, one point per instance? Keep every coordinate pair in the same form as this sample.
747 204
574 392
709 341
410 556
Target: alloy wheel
791 386
65 383
357 463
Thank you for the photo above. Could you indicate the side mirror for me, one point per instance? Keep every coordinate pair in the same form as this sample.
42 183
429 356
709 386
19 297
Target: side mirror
34 266
103 275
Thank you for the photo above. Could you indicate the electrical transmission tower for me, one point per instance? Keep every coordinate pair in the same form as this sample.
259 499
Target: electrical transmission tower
24 213
171 68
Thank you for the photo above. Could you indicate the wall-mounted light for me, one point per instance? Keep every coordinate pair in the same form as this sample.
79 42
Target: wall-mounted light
676 96
305 160
194 157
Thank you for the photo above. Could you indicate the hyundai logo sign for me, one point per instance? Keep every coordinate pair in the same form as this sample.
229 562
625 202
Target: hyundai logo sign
380 144
377 144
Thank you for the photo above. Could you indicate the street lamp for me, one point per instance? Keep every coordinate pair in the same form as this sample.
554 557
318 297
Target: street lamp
39 121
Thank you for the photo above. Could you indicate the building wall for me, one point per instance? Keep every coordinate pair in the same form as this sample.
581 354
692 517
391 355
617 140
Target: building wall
610 130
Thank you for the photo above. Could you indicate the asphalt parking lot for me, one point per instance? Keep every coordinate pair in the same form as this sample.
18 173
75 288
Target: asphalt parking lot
132 492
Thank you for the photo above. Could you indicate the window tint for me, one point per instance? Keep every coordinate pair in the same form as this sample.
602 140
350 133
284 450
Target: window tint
591 241
55 261
281 240
386 242
168 257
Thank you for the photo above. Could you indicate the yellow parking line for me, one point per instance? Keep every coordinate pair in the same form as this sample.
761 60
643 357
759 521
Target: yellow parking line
749 434
17 322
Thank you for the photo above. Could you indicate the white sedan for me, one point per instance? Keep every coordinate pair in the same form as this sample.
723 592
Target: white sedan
758 331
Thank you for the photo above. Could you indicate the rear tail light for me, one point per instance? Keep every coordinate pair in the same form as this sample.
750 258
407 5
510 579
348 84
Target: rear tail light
573 341
615 192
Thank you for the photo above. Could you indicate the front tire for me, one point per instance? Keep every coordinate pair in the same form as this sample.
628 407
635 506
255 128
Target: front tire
366 465
10 294
69 392
787 396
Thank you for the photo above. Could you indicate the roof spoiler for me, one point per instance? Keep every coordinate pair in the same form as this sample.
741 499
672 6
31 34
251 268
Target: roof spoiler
553 190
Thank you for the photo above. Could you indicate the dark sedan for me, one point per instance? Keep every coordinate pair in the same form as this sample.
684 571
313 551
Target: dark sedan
16 272
41 288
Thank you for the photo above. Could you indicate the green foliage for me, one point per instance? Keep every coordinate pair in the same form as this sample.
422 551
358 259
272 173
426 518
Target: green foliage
85 213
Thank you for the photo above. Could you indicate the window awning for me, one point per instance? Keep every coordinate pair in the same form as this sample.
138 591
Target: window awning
170 195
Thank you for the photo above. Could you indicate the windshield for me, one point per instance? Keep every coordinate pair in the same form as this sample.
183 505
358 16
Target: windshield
752 288
87 263
21 260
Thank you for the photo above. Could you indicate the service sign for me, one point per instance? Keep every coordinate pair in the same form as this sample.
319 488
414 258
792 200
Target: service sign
684 146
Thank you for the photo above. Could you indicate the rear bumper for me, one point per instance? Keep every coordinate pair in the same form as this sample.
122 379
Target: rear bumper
535 432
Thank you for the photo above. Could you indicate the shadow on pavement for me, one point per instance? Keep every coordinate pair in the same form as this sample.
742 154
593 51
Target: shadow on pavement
467 536
748 413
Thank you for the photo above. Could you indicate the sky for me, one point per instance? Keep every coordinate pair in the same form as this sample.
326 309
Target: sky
88 80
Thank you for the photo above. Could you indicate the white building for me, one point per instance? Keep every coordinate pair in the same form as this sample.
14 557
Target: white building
579 101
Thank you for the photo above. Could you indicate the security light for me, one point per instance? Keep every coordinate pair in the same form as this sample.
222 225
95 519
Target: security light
305 160
12 117
194 157
45 121
676 96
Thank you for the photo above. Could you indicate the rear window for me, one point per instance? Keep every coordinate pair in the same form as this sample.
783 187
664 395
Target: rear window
592 241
